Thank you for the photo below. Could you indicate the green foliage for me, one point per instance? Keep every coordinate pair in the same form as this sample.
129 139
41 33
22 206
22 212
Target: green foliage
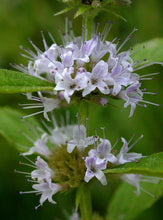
126 205
81 11
149 166
13 128
114 13
64 11
151 50
16 82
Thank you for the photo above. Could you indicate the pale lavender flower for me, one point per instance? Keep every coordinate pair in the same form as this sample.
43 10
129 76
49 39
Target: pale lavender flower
79 139
103 152
48 105
39 146
134 96
96 79
124 156
42 172
47 190
94 169
69 85
135 179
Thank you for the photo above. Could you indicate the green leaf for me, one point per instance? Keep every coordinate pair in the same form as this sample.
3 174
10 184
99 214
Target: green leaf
13 128
149 166
63 11
126 205
81 10
16 82
151 50
114 13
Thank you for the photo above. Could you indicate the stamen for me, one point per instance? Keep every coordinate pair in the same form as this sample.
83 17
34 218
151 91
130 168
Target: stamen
150 74
35 47
25 135
51 37
131 138
127 38
135 142
116 142
103 129
150 93
32 181
17 171
148 64
36 113
150 194
146 79
33 106
44 41
28 192
36 207
106 30
151 103
49 59
28 159
26 164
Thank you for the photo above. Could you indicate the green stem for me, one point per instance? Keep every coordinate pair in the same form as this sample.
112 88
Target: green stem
83 111
85 204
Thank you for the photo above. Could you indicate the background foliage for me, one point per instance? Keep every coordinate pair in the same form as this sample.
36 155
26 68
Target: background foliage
20 19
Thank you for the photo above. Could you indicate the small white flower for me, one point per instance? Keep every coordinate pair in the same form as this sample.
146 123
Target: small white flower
48 105
79 139
124 156
69 85
96 79
135 179
42 172
47 190
40 147
103 152
94 169
132 95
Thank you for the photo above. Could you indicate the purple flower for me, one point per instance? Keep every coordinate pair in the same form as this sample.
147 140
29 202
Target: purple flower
96 79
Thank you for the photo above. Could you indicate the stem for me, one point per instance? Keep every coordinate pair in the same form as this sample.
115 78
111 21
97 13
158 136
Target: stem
83 111
85 204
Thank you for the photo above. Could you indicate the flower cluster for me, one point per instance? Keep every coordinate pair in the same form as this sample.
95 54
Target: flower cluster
83 68
67 158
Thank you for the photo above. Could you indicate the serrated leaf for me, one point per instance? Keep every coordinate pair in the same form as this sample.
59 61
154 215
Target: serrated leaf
151 50
13 128
126 205
149 166
63 11
17 82
81 10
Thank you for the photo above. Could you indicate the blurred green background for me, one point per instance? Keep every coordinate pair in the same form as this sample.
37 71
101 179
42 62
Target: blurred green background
20 19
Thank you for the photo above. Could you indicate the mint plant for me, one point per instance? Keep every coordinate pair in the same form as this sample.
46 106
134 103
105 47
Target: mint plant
85 69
